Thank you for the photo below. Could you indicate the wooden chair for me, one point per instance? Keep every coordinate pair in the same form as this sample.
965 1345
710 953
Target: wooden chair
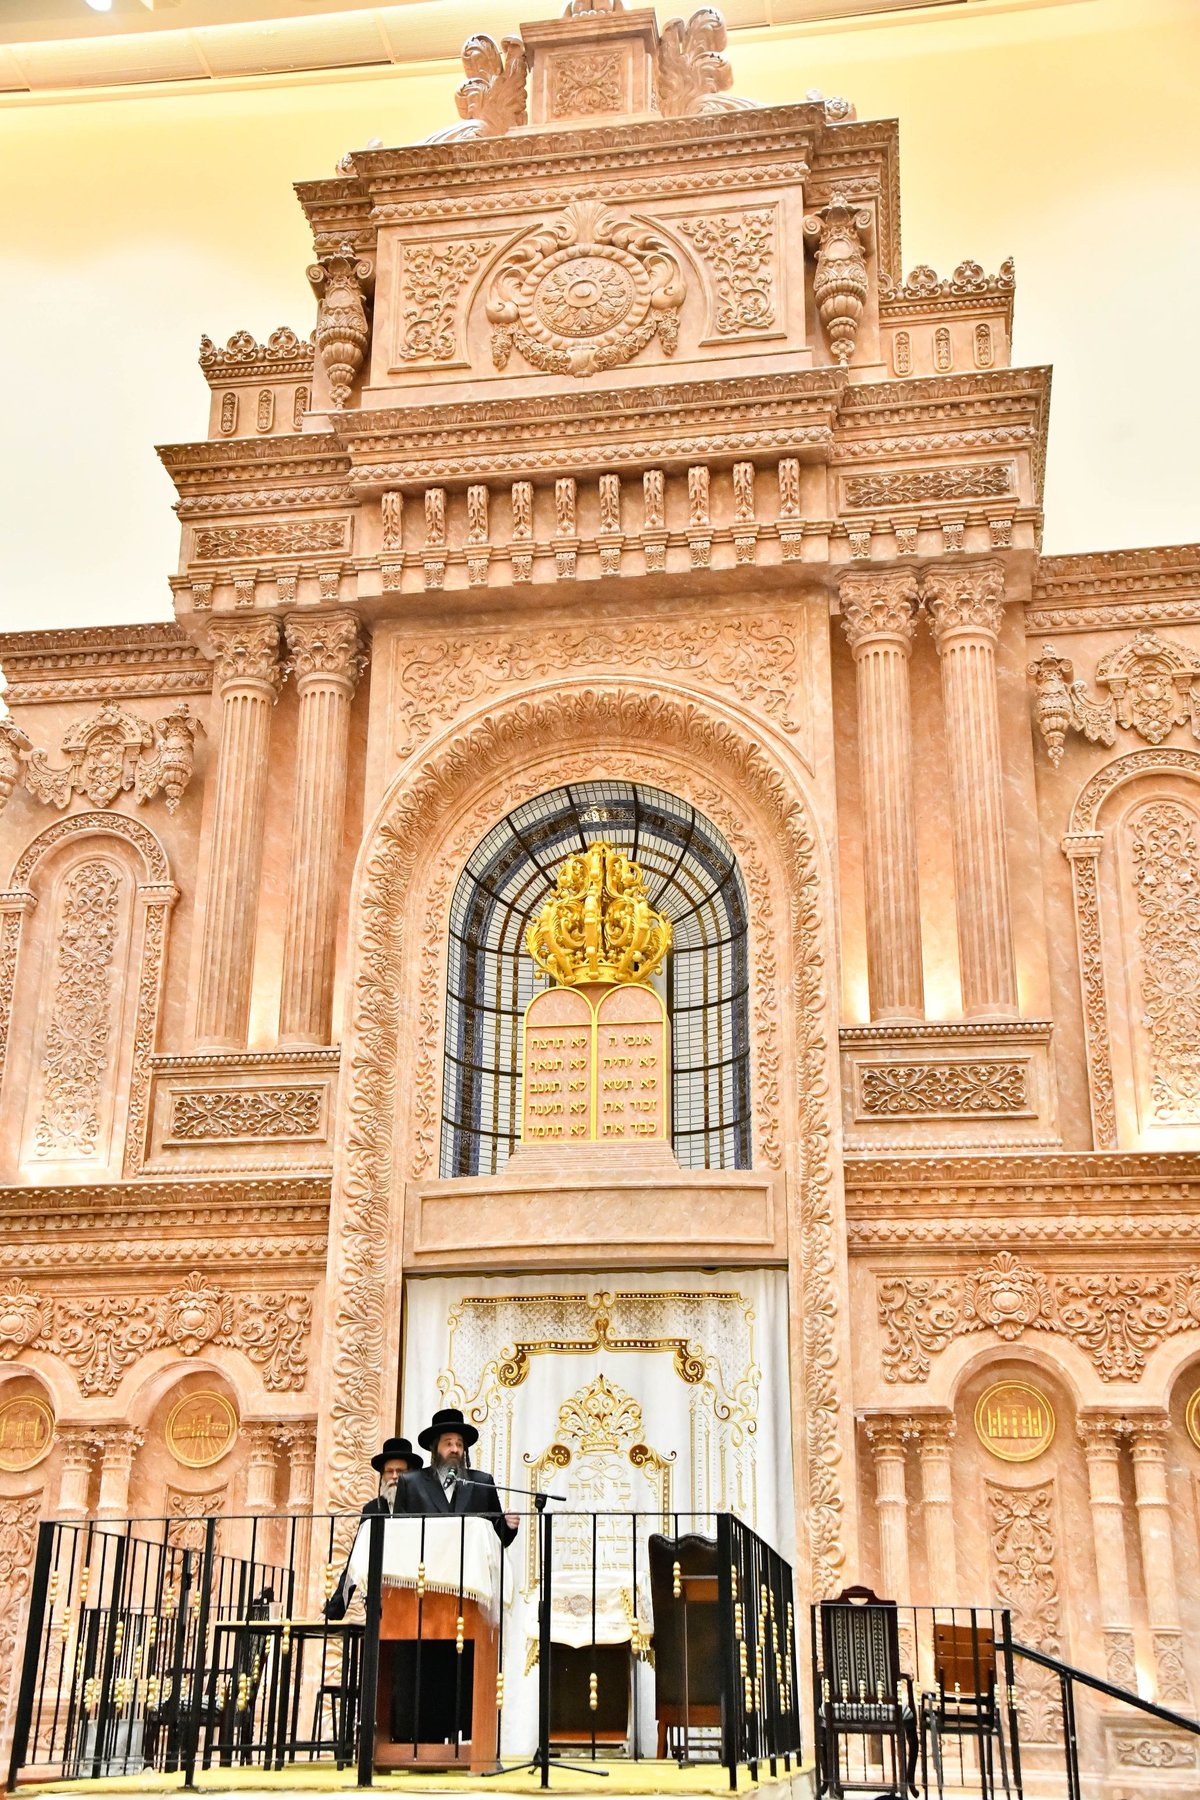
687 1659
863 1691
965 1703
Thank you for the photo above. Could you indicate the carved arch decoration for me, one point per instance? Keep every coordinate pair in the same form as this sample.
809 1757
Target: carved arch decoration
407 868
156 894
1083 844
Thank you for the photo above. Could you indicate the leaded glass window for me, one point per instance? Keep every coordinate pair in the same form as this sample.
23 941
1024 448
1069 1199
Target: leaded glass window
692 876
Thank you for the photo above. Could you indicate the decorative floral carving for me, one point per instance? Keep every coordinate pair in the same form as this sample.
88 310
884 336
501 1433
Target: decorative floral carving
599 1416
1154 1753
325 645
1166 880
914 1090
189 1513
694 75
840 233
968 278
653 501
246 650
19 1517
342 324
1152 686
283 354
432 277
76 1046
584 85
1116 1319
491 101
14 747
1061 702
912 487
296 538
113 752
757 660
99 1338
392 516
739 247
610 503
219 1115
585 293
1025 1556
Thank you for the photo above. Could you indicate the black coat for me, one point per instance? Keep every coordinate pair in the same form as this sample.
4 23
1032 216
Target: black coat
380 1505
422 1492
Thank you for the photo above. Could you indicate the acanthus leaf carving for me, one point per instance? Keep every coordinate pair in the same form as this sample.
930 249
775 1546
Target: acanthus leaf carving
14 748
1166 880
585 293
1025 1555
432 278
492 100
343 328
694 75
75 1051
1152 687
1061 703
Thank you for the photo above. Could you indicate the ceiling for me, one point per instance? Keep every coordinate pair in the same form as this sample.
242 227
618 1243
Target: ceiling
59 47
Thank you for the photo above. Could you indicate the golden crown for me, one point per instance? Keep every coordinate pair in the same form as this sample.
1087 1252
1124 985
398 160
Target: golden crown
598 925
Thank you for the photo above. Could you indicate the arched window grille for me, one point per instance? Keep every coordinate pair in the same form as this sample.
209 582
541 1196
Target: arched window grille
691 875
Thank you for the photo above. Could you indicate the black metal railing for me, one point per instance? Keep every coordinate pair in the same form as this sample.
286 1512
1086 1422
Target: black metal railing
1063 1681
185 1644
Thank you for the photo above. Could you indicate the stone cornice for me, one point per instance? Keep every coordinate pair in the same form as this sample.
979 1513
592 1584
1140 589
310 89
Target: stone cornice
996 406
1117 589
1148 1202
164 1222
101 663
236 462
284 357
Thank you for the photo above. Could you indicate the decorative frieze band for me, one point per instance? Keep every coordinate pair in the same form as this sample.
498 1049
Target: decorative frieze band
1116 1319
215 1115
99 1337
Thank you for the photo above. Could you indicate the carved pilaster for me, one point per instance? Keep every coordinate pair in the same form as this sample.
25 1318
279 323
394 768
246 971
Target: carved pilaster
326 659
1149 1439
300 1444
889 1438
78 1448
935 1437
1101 1435
118 1445
878 613
247 682
966 606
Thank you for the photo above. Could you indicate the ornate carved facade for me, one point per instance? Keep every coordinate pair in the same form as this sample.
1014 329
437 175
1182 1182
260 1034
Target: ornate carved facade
623 463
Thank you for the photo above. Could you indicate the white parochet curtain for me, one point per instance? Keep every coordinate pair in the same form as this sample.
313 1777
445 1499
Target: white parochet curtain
662 1394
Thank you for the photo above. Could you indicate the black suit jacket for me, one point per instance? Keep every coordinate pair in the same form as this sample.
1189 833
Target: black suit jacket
422 1492
380 1505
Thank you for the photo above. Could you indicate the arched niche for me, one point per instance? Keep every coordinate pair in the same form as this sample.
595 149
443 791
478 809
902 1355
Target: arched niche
83 939
748 781
1134 848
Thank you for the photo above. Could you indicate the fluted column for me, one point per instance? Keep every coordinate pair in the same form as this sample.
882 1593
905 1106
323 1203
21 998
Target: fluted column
300 1442
935 1436
878 611
118 1447
888 1438
262 1463
247 681
326 659
1101 1435
78 1445
966 606
1149 1439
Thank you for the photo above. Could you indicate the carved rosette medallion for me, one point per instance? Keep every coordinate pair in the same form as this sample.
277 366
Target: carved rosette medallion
585 293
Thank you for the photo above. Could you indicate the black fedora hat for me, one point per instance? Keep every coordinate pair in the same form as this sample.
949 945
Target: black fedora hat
449 1419
393 1450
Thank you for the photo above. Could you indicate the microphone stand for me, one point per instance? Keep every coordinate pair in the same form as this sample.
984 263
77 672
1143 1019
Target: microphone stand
541 1759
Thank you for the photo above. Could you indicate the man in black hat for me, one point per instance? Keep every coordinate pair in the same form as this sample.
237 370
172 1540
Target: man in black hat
449 1484
391 1464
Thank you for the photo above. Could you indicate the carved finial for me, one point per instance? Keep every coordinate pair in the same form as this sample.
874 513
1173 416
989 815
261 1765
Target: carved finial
841 231
693 72
14 748
590 9
598 925
342 324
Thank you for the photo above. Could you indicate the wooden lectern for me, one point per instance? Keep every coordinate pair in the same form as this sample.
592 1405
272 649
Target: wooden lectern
436 1693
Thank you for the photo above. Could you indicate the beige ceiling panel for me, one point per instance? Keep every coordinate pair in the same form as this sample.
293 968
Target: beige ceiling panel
346 40
12 76
804 12
115 62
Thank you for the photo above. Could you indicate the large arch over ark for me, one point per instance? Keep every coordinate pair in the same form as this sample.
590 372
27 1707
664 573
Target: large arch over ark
746 778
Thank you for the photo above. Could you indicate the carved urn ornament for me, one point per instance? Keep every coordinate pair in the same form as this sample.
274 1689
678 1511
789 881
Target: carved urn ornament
342 324
112 752
598 924
585 293
841 232
14 746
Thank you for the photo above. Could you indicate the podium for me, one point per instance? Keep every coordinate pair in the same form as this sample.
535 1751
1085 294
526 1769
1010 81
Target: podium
436 1700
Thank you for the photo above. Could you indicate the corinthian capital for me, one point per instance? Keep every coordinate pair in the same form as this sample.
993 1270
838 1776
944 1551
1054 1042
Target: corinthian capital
246 650
882 605
324 644
969 599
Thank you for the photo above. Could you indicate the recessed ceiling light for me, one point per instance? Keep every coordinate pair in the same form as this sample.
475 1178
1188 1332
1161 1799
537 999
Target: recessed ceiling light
100 5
